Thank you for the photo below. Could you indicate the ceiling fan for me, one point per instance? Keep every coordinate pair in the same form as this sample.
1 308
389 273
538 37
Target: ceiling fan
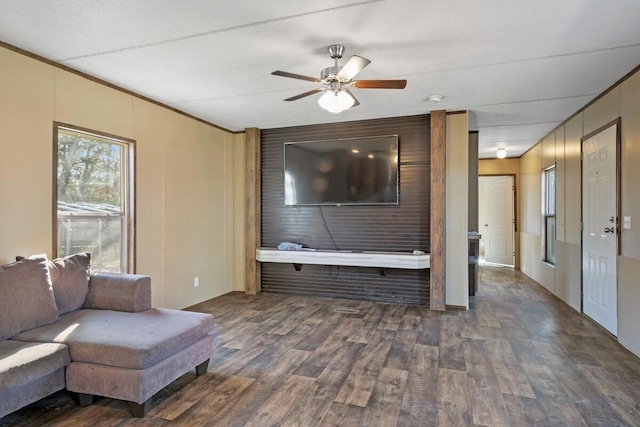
337 80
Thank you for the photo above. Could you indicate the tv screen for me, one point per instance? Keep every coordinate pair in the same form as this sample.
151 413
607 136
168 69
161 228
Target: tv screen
351 171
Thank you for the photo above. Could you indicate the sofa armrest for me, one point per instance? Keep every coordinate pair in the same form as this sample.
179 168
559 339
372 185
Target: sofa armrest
120 292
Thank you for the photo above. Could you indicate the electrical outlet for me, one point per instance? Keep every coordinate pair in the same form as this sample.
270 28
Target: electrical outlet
196 282
627 223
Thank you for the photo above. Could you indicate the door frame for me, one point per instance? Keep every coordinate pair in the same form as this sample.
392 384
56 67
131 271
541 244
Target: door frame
516 239
618 180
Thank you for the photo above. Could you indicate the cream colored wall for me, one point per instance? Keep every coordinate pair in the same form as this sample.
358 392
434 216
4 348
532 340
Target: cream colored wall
499 167
185 173
629 262
488 167
568 274
548 151
561 172
548 159
26 108
150 182
628 303
567 280
196 243
240 212
604 111
630 167
572 179
548 276
622 101
457 184
81 102
530 213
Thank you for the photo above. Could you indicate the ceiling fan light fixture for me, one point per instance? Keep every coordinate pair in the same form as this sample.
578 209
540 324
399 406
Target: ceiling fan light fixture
502 153
337 79
336 101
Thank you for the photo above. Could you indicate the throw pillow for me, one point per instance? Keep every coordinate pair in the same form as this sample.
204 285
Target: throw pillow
70 280
26 296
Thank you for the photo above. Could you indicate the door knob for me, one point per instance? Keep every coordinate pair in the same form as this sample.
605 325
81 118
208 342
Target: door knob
486 225
609 230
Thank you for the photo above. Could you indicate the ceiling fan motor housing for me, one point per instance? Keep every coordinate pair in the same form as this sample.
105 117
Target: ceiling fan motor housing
328 75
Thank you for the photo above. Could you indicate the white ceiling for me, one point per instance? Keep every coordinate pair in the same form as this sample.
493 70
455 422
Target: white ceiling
519 67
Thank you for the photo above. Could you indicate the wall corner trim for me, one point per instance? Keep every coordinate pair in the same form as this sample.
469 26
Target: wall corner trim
253 186
438 210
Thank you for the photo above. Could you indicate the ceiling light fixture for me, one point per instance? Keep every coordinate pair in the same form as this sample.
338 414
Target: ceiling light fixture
336 101
502 153
435 98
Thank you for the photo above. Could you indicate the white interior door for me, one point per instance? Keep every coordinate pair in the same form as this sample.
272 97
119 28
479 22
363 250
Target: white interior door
599 229
497 218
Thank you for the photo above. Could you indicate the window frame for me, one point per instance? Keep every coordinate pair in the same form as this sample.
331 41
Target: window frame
128 193
548 213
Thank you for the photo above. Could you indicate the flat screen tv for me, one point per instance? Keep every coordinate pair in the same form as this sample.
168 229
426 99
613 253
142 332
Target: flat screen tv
350 171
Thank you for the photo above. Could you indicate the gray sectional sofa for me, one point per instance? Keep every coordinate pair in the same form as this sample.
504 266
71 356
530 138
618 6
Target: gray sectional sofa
61 327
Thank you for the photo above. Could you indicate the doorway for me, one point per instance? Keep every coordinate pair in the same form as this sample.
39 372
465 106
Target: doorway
496 217
600 226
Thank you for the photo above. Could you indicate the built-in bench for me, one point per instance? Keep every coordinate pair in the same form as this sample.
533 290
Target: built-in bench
374 259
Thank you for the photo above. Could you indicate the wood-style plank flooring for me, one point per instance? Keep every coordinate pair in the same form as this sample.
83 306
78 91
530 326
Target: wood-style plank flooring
518 357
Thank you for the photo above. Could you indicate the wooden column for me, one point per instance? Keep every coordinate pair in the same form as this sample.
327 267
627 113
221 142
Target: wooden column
253 184
438 210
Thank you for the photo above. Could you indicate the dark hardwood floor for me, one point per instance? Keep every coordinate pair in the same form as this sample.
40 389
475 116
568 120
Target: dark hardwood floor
518 357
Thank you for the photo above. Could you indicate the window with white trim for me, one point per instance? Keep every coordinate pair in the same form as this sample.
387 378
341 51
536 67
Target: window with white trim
93 197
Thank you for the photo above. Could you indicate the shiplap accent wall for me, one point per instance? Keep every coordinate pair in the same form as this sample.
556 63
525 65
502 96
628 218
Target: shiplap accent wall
387 228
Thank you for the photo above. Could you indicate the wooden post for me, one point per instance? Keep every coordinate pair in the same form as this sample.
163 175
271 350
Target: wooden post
253 184
437 233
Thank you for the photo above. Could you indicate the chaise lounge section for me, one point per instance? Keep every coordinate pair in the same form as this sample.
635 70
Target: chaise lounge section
113 345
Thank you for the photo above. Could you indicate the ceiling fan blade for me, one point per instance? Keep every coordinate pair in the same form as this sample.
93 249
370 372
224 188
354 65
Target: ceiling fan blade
380 84
356 103
302 95
296 76
353 66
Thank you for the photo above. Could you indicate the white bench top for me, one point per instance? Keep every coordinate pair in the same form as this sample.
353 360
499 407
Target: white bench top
346 257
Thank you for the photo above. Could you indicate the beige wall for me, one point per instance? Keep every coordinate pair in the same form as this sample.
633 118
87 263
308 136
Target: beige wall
548 159
185 175
568 216
499 167
530 213
622 101
457 184
493 167
240 212
629 262
26 108
630 167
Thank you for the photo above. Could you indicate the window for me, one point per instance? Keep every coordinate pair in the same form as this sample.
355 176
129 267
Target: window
93 198
549 206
